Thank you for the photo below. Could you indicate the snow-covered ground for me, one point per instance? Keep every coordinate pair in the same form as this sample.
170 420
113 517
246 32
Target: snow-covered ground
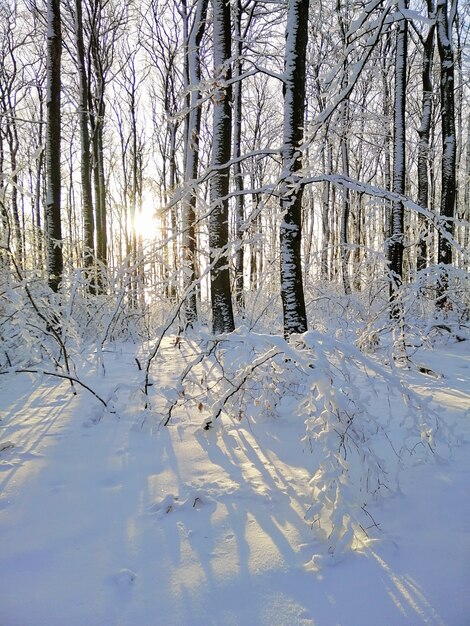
108 519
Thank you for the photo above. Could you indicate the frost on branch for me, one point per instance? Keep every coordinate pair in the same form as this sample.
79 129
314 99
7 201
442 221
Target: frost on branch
348 402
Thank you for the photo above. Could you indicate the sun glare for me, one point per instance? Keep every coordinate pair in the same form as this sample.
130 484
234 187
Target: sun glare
147 223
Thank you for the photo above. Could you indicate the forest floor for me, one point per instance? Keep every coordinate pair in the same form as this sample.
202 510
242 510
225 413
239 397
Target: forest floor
107 520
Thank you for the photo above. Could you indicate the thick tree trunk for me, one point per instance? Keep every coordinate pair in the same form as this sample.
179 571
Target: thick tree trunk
55 264
221 299
448 178
292 292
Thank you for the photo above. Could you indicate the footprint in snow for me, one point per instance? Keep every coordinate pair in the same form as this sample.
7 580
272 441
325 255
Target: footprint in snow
6 445
171 503
123 579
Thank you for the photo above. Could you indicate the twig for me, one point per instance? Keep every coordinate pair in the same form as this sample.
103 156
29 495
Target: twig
72 379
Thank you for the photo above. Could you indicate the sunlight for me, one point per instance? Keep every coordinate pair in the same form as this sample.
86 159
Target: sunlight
147 223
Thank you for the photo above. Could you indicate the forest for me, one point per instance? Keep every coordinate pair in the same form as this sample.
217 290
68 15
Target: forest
234 311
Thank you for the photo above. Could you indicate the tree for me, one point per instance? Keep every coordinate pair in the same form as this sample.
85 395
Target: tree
448 178
236 152
191 152
55 263
399 157
292 293
85 154
424 134
221 296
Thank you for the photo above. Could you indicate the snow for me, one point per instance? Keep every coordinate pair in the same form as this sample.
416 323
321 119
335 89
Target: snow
113 519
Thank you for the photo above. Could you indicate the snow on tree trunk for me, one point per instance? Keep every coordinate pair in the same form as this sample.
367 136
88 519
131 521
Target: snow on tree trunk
399 159
97 124
85 156
448 177
236 152
292 293
466 234
193 72
344 144
221 298
424 133
55 263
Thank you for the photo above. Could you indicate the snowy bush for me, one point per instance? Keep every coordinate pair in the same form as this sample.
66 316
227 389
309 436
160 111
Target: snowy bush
348 402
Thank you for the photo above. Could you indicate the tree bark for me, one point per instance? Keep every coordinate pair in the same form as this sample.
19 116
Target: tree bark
237 169
193 74
448 178
399 160
85 155
55 264
292 292
221 298
424 134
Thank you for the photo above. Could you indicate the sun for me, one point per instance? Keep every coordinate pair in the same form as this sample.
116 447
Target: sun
147 222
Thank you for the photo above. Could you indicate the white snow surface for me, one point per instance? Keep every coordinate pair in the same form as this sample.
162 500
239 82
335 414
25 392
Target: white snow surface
110 519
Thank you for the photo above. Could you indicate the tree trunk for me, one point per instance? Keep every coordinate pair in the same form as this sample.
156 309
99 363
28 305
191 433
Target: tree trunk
237 169
97 123
221 299
423 146
55 264
292 292
193 72
85 156
448 178
399 161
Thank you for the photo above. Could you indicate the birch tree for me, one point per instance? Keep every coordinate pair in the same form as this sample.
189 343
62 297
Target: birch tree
292 292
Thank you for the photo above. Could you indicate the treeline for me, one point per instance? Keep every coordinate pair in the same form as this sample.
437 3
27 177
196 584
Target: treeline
216 149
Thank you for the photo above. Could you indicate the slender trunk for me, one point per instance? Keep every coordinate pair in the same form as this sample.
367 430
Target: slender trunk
466 216
237 169
97 122
399 163
172 129
346 204
85 156
326 234
38 191
424 146
387 146
193 127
